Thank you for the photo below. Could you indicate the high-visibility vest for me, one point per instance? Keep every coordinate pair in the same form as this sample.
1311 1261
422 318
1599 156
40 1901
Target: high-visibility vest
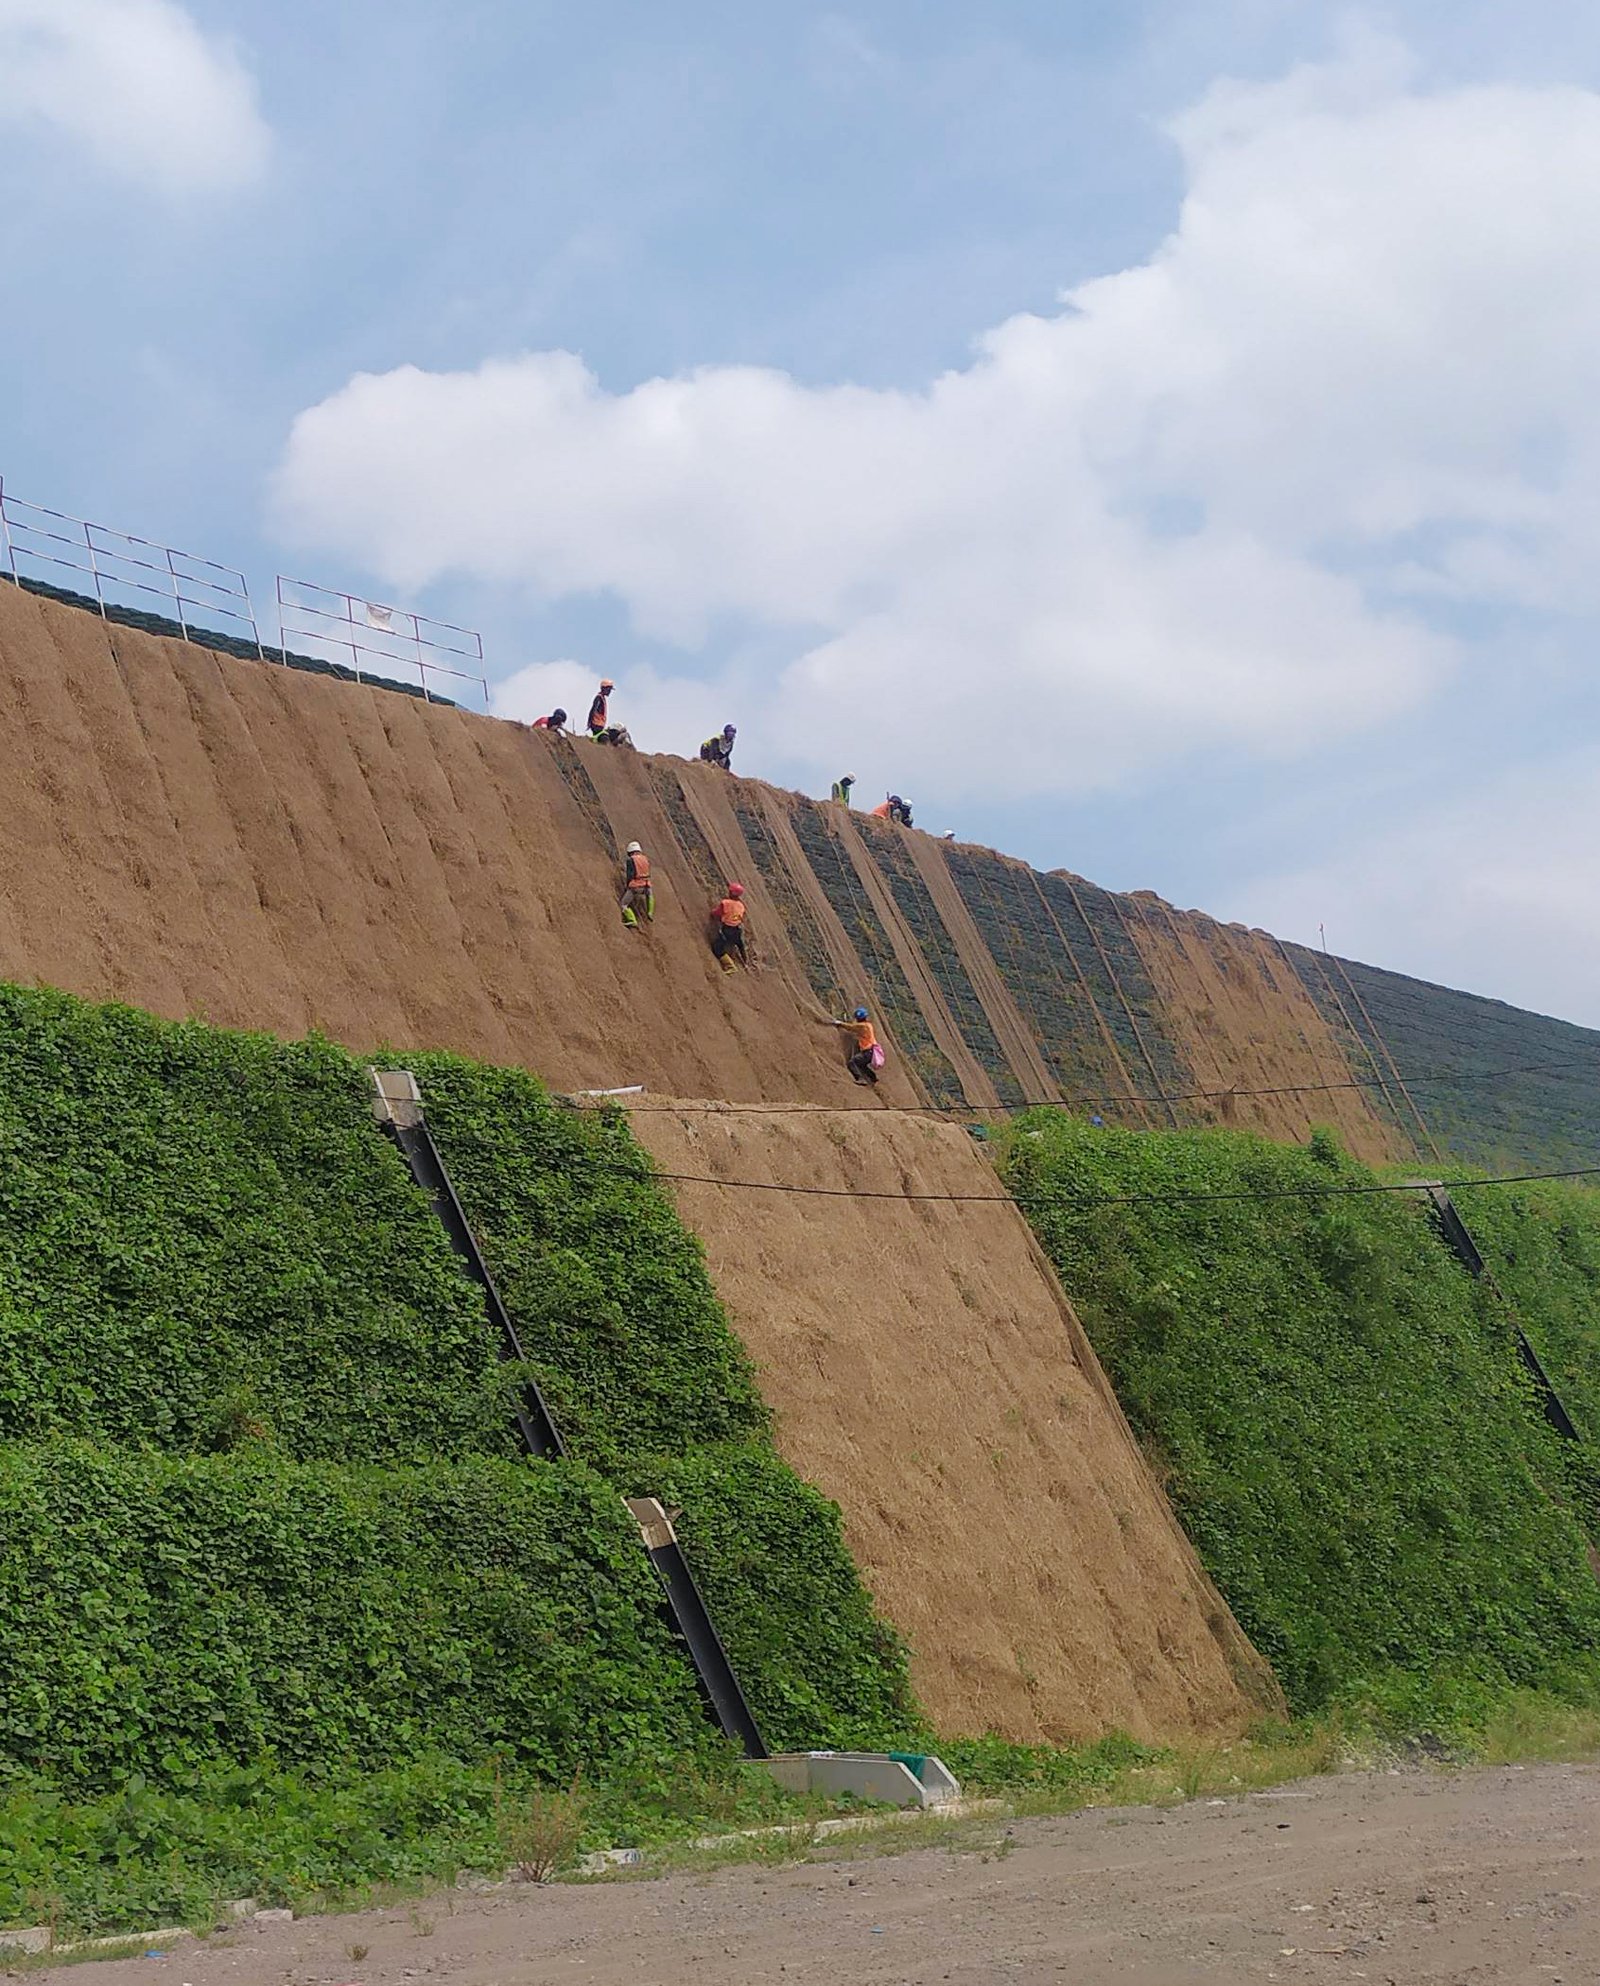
731 912
881 812
597 712
638 872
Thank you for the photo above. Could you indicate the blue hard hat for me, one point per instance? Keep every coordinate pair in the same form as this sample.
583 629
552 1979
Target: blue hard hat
861 1013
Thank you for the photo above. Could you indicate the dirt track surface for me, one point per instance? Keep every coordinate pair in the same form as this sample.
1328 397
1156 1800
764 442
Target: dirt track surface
929 1375
1411 1880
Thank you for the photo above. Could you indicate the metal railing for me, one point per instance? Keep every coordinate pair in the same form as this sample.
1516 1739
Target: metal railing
116 563
372 633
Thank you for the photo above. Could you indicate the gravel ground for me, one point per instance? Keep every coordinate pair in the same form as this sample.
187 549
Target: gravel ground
1404 1879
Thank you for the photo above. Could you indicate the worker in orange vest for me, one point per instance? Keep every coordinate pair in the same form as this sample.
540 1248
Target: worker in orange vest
865 1059
727 928
637 893
600 710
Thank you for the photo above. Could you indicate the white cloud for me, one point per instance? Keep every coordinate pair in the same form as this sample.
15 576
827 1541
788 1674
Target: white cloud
1512 857
137 85
1211 504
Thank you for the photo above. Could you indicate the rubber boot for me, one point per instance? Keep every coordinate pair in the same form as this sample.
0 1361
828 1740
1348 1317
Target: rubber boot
629 919
728 964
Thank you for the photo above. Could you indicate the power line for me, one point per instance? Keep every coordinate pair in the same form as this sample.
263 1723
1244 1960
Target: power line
1439 1079
1023 1200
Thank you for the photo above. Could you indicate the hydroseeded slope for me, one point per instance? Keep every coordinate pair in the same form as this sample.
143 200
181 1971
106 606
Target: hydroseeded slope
928 1375
204 835
249 844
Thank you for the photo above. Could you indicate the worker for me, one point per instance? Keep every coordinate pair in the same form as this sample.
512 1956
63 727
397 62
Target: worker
727 928
555 722
718 749
865 1059
841 788
893 809
637 893
600 709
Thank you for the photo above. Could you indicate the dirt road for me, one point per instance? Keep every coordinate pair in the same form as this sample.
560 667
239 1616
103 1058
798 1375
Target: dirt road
1420 1879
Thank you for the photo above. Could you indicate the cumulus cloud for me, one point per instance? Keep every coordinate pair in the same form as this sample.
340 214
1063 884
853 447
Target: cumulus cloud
1512 856
135 84
1232 498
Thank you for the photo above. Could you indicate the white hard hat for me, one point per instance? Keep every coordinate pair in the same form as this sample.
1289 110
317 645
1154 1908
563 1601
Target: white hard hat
634 848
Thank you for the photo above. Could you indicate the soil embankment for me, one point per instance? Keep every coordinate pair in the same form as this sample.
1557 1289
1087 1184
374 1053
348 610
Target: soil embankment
262 847
928 1374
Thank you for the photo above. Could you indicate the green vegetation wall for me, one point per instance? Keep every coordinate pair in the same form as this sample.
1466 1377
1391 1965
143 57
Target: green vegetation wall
1542 1245
258 1494
1336 1408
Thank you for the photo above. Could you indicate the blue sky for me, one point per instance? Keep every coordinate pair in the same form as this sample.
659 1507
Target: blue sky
726 349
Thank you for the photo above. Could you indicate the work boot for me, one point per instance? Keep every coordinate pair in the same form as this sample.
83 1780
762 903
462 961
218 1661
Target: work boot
728 964
630 920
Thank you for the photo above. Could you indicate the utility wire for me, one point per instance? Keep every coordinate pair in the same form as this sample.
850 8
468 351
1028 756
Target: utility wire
1024 1199
1440 1079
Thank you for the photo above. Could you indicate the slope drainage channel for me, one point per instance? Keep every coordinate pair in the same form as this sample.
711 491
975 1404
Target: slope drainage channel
397 1105
1458 1236
899 1779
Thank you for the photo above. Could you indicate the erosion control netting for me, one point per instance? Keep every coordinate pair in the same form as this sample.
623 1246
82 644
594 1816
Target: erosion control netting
668 789
1539 1116
798 922
833 869
1339 1411
922 919
1091 922
255 1469
1332 993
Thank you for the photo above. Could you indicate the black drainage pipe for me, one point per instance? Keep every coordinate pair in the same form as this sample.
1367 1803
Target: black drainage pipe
1459 1237
398 1108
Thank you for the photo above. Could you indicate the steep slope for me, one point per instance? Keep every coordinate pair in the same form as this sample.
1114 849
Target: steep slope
226 838
928 1375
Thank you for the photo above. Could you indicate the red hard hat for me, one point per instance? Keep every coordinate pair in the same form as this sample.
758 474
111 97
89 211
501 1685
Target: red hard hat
736 889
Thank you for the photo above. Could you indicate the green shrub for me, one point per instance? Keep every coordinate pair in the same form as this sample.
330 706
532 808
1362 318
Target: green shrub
608 1289
162 1612
1337 1409
768 1551
1542 1243
204 1239
649 1383
214 1264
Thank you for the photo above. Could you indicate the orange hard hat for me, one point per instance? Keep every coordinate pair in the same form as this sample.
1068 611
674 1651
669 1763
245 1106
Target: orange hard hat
606 683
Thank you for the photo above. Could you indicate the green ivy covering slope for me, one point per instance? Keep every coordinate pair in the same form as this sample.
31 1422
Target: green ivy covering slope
203 1236
1542 1244
648 1382
1337 1410
259 1499
164 1611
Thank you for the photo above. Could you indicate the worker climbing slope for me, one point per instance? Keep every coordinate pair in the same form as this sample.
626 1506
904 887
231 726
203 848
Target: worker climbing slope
865 1057
718 749
637 892
841 788
893 809
727 928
